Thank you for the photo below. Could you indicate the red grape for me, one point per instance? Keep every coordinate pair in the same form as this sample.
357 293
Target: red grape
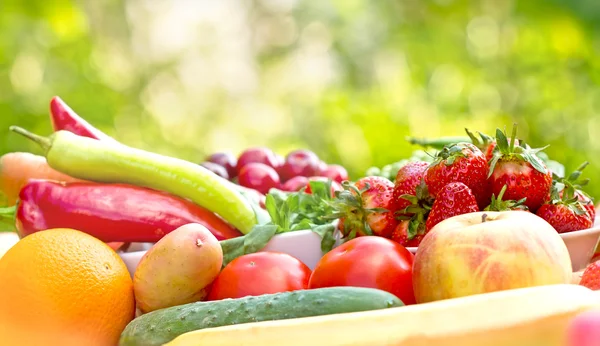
216 169
258 176
335 173
257 155
226 160
295 184
299 162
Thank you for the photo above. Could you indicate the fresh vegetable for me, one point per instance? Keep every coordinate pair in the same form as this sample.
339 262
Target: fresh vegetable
17 168
368 261
64 118
226 160
521 170
101 161
483 252
521 317
178 269
109 212
437 143
159 327
464 163
454 199
334 172
289 212
299 162
259 177
364 208
591 276
260 273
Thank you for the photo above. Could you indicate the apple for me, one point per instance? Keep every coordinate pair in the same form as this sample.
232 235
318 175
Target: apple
484 252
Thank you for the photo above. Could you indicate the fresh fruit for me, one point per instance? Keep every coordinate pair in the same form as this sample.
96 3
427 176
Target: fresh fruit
336 173
262 155
178 269
522 317
499 204
299 162
99 161
574 185
407 180
160 327
454 199
260 273
486 144
225 160
488 251
584 329
524 174
591 276
462 163
403 236
565 215
64 287
364 208
368 261
17 168
258 176
216 169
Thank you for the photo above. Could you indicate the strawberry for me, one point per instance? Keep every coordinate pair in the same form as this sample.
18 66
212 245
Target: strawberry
463 163
521 170
454 199
498 204
591 276
364 208
485 143
566 213
407 180
401 235
574 181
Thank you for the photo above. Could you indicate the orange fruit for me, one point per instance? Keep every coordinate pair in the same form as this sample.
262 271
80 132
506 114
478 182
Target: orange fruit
63 287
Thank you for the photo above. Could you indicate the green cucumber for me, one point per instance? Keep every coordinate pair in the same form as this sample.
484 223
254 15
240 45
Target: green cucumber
161 326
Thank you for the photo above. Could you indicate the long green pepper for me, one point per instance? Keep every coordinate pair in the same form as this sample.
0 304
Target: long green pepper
99 161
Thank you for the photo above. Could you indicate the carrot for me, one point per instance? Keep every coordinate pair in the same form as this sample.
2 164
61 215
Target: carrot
18 167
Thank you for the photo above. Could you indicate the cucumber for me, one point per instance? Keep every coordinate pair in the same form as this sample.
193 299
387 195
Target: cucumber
161 326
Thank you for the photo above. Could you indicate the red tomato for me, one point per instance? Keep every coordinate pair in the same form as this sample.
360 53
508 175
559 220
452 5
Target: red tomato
260 273
367 261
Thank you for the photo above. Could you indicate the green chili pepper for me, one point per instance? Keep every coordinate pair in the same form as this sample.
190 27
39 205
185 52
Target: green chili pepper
437 143
99 161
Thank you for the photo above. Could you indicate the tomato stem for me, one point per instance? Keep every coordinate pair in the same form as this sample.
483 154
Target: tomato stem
43 142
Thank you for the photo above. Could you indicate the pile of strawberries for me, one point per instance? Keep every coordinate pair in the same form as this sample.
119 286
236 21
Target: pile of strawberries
492 174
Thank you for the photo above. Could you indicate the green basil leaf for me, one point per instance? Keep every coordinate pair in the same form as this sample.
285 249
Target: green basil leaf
258 238
326 232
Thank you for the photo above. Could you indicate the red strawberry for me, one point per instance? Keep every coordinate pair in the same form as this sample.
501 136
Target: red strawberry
498 204
454 199
485 143
463 163
401 235
521 170
407 180
591 276
364 208
577 184
566 213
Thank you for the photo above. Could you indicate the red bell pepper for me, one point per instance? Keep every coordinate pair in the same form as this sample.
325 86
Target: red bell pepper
109 212
64 118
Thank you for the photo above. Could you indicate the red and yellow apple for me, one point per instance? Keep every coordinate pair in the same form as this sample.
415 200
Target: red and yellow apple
488 251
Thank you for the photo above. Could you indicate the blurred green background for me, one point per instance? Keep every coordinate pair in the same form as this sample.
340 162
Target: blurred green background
348 79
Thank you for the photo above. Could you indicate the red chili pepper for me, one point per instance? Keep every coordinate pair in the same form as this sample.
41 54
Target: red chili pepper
110 212
64 118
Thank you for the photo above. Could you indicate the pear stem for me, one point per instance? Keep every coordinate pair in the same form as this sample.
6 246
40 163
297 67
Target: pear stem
43 142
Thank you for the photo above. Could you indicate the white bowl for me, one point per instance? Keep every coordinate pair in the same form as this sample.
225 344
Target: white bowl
306 246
